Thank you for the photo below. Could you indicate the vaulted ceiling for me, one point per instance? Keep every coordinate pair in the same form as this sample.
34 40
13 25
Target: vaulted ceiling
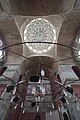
38 7
64 15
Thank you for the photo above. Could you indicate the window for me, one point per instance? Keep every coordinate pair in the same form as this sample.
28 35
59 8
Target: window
79 53
39 30
78 46
2 52
78 40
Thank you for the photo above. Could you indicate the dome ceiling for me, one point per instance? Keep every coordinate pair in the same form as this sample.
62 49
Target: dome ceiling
66 24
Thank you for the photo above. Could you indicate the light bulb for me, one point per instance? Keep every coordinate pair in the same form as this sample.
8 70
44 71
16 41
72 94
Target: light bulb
14 91
37 108
59 108
20 82
22 105
12 99
52 105
39 81
67 102
15 106
58 82
50 112
78 108
23 111
42 72
65 92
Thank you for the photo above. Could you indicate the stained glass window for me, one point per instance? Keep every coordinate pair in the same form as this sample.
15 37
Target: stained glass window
39 30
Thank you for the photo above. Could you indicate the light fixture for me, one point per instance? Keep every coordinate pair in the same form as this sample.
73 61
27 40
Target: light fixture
14 91
65 93
67 102
78 107
58 83
23 111
40 81
22 105
59 108
15 106
50 112
52 105
12 99
37 108
20 82
42 73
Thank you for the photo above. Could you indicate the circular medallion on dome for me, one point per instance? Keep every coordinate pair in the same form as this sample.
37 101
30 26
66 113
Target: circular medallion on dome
39 30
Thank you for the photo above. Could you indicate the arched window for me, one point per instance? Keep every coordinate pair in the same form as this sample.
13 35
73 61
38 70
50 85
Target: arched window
2 52
39 30
78 42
